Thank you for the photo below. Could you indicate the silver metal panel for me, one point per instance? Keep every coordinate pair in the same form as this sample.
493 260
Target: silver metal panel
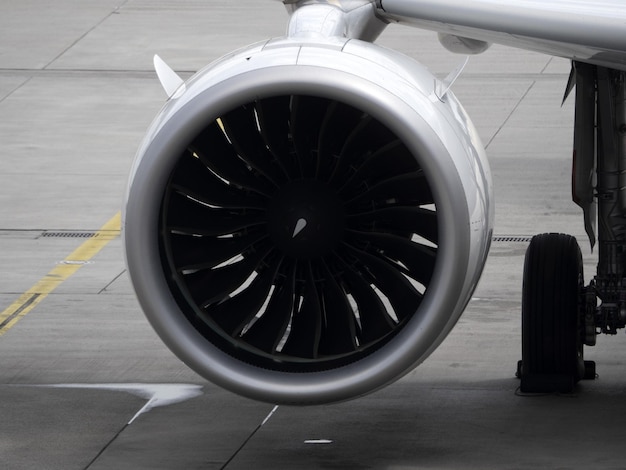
586 31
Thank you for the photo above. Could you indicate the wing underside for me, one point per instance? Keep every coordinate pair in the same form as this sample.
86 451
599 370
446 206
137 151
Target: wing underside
586 31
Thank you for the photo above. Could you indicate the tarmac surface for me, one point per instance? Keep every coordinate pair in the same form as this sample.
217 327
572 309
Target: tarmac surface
84 381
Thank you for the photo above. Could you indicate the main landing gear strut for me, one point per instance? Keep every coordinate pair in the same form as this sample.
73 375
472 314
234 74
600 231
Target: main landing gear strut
560 315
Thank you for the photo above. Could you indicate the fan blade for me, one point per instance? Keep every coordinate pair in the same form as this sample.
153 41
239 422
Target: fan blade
194 252
242 128
274 115
194 179
375 321
418 259
214 150
346 156
339 331
409 189
366 138
391 160
267 332
402 219
233 314
306 325
208 286
339 122
404 298
191 217
307 115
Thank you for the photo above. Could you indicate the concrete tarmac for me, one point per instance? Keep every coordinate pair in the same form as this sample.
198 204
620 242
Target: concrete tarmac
84 381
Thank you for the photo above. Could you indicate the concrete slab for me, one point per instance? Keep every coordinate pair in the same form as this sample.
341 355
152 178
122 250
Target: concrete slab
69 144
23 258
187 35
33 34
78 338
55 428
10 83
485 427
76 95
147 444
99 273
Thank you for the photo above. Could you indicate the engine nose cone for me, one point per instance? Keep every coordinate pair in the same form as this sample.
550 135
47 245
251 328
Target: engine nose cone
306 219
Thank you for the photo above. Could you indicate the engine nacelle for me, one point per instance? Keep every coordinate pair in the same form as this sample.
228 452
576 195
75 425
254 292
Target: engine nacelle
306 222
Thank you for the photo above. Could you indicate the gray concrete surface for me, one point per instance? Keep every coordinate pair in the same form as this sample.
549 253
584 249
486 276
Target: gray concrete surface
76 94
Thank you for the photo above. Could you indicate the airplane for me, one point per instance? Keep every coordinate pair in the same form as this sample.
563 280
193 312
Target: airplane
308 217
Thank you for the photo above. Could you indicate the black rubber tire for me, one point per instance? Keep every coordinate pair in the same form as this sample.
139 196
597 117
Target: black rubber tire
552 344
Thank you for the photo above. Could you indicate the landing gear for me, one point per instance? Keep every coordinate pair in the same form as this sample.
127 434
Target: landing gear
559 314
552 318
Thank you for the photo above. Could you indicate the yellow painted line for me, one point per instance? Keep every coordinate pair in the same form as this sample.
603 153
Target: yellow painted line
74 261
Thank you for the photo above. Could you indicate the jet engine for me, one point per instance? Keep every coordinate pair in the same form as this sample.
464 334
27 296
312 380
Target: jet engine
307 219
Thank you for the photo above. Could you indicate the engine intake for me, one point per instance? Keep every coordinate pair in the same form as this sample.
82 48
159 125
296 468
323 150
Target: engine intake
307 221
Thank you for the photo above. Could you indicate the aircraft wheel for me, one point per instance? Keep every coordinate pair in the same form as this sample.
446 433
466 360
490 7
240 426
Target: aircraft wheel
552 341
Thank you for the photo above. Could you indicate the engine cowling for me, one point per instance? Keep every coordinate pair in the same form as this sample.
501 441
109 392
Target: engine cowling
306 222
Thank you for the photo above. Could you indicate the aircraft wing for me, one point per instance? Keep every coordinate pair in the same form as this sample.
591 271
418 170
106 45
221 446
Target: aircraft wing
586 31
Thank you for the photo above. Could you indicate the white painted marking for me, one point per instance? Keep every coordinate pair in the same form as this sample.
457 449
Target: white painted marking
156 394
318 441
267 418
300 224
